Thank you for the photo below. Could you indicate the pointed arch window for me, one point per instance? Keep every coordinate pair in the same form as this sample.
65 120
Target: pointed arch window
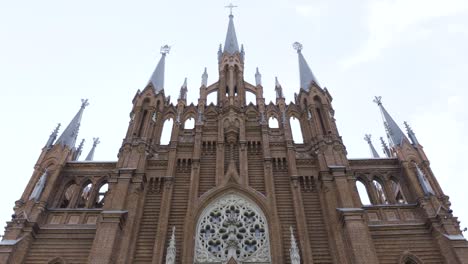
296 130
273 122
85 194
363 193
167 132
101 195
189 123
318 111
68 195
380 192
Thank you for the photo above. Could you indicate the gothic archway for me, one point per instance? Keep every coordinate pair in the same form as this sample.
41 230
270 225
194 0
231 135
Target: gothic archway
232 228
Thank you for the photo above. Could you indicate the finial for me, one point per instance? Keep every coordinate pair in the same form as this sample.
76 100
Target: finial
230 6
258 78
96 141
183 91
367 138
278 89
165 49
205 78
378 100
297 46
84 103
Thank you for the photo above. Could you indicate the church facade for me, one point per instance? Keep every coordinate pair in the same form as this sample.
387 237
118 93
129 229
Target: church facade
235 187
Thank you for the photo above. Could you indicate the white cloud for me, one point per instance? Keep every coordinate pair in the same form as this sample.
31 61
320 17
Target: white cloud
391 22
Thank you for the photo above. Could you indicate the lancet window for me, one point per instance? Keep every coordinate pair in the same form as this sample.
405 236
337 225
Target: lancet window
166 132
397 193
296 130
363 193
273 122
232 227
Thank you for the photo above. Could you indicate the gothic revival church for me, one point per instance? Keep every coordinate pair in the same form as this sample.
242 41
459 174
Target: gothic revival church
234 187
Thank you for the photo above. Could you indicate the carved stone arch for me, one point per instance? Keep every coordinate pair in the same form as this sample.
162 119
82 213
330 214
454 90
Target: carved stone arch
190 112
409 258
169 112
228 211
293 111
364 180
57 260
378 185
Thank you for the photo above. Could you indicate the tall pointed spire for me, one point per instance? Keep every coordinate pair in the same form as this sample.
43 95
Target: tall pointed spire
90 156
306 75
171 249
52 137
368 139
411 134
69 135
157 79
294 250
394 133
385 148
231 45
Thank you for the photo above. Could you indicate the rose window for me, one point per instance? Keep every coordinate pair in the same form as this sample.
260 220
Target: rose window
232 228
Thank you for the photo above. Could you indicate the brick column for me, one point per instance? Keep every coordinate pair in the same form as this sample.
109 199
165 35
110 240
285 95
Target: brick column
360 246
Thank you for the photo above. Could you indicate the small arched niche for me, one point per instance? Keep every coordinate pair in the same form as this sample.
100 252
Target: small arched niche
232 227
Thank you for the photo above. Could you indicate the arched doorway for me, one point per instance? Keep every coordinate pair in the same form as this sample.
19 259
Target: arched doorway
232 228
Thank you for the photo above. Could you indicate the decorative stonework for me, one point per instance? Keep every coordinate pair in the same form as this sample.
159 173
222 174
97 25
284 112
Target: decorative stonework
232 227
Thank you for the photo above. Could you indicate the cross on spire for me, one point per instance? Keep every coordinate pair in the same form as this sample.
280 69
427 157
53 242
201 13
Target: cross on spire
230 6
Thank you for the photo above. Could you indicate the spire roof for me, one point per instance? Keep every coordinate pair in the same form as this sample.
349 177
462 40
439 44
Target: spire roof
90 156
69 135
306 75
183 91
368 139
394 133
231 45
157 79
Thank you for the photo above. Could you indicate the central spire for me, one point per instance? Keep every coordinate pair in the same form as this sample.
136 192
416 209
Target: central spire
231 45
306 75
157 79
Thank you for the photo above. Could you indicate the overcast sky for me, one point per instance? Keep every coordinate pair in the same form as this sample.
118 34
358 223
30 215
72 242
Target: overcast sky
412 52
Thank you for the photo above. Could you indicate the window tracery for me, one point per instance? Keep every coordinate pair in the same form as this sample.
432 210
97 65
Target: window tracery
232 228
